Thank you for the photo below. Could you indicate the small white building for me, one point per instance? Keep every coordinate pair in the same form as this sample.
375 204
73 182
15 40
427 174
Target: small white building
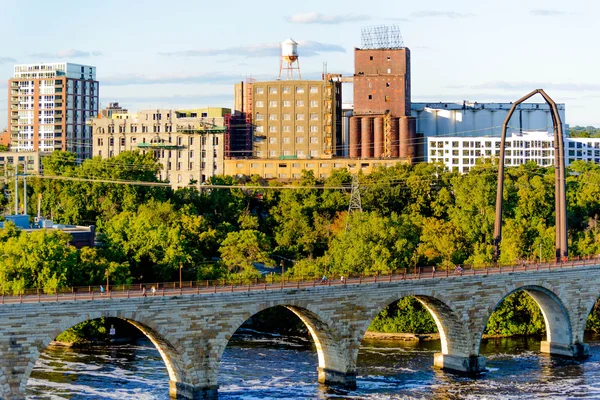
460 153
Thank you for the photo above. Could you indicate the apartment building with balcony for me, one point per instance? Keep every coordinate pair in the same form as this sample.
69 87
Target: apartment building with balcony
48 107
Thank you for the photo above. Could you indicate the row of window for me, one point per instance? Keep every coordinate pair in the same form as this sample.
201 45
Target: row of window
579 145
496 144
288 153
286 103
287 117
286 129
509 153
286 89
288 140
133 139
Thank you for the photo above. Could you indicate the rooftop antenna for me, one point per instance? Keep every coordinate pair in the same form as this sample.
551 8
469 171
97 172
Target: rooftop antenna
381 37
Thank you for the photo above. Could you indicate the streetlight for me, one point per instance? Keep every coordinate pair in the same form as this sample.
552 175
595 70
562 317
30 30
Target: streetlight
106 273
180 280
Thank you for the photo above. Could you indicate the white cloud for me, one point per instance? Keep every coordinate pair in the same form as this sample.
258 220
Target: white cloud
215 78
317 18
444 14
70 53
542 12
306 48
6 60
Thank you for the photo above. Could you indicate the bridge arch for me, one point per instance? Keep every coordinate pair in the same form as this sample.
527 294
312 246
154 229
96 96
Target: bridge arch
336 353
172 357
454 336
559 332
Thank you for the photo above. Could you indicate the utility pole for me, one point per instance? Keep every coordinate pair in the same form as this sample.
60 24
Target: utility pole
16 189
25 189
180 280
355 201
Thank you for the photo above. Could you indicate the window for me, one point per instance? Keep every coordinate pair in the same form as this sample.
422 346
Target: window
299 117
272 117
295 165
254 165
314 139
287 103
299 140
287 128
273 90
299 89
260 117
286 140
287 117
299 128
370 58
260 103
285 90
260 90
260 129
259 154
387 99
370 97
314 117
299 103
314 103
273 129
314 89
272 153
273 140
314 128
273 103
300 153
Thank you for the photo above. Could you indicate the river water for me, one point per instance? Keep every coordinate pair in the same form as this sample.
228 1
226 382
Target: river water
279 367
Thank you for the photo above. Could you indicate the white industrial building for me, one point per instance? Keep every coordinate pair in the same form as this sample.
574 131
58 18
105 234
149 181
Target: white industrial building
460 153
468 119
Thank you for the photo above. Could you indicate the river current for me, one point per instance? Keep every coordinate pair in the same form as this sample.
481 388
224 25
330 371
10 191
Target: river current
279 367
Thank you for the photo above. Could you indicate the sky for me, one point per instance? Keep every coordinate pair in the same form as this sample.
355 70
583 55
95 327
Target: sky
189 53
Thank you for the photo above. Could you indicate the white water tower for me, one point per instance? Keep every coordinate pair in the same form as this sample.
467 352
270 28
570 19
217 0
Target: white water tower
289 59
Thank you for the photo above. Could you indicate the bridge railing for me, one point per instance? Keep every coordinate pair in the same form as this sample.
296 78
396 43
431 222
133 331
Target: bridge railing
277 282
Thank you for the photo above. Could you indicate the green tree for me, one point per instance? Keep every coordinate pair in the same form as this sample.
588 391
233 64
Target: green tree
242 248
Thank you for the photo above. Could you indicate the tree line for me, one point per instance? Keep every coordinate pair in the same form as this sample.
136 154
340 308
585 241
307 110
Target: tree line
413 216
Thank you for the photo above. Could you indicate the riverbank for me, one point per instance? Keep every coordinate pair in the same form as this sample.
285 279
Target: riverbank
425 337
89 343
407 337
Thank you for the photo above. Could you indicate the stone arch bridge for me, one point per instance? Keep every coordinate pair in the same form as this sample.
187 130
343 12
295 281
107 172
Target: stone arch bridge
191 330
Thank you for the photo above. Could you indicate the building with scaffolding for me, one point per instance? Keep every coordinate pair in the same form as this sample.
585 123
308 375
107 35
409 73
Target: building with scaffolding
188 143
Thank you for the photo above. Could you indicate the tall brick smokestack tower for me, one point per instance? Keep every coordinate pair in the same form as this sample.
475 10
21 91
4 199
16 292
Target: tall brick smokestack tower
382 126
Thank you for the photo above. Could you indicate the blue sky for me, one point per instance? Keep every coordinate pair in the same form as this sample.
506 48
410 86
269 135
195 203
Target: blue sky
152 53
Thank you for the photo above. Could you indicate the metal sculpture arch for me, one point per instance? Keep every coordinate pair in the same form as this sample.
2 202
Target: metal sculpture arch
559 178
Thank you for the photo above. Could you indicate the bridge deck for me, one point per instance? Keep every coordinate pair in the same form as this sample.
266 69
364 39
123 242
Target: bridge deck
212 287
